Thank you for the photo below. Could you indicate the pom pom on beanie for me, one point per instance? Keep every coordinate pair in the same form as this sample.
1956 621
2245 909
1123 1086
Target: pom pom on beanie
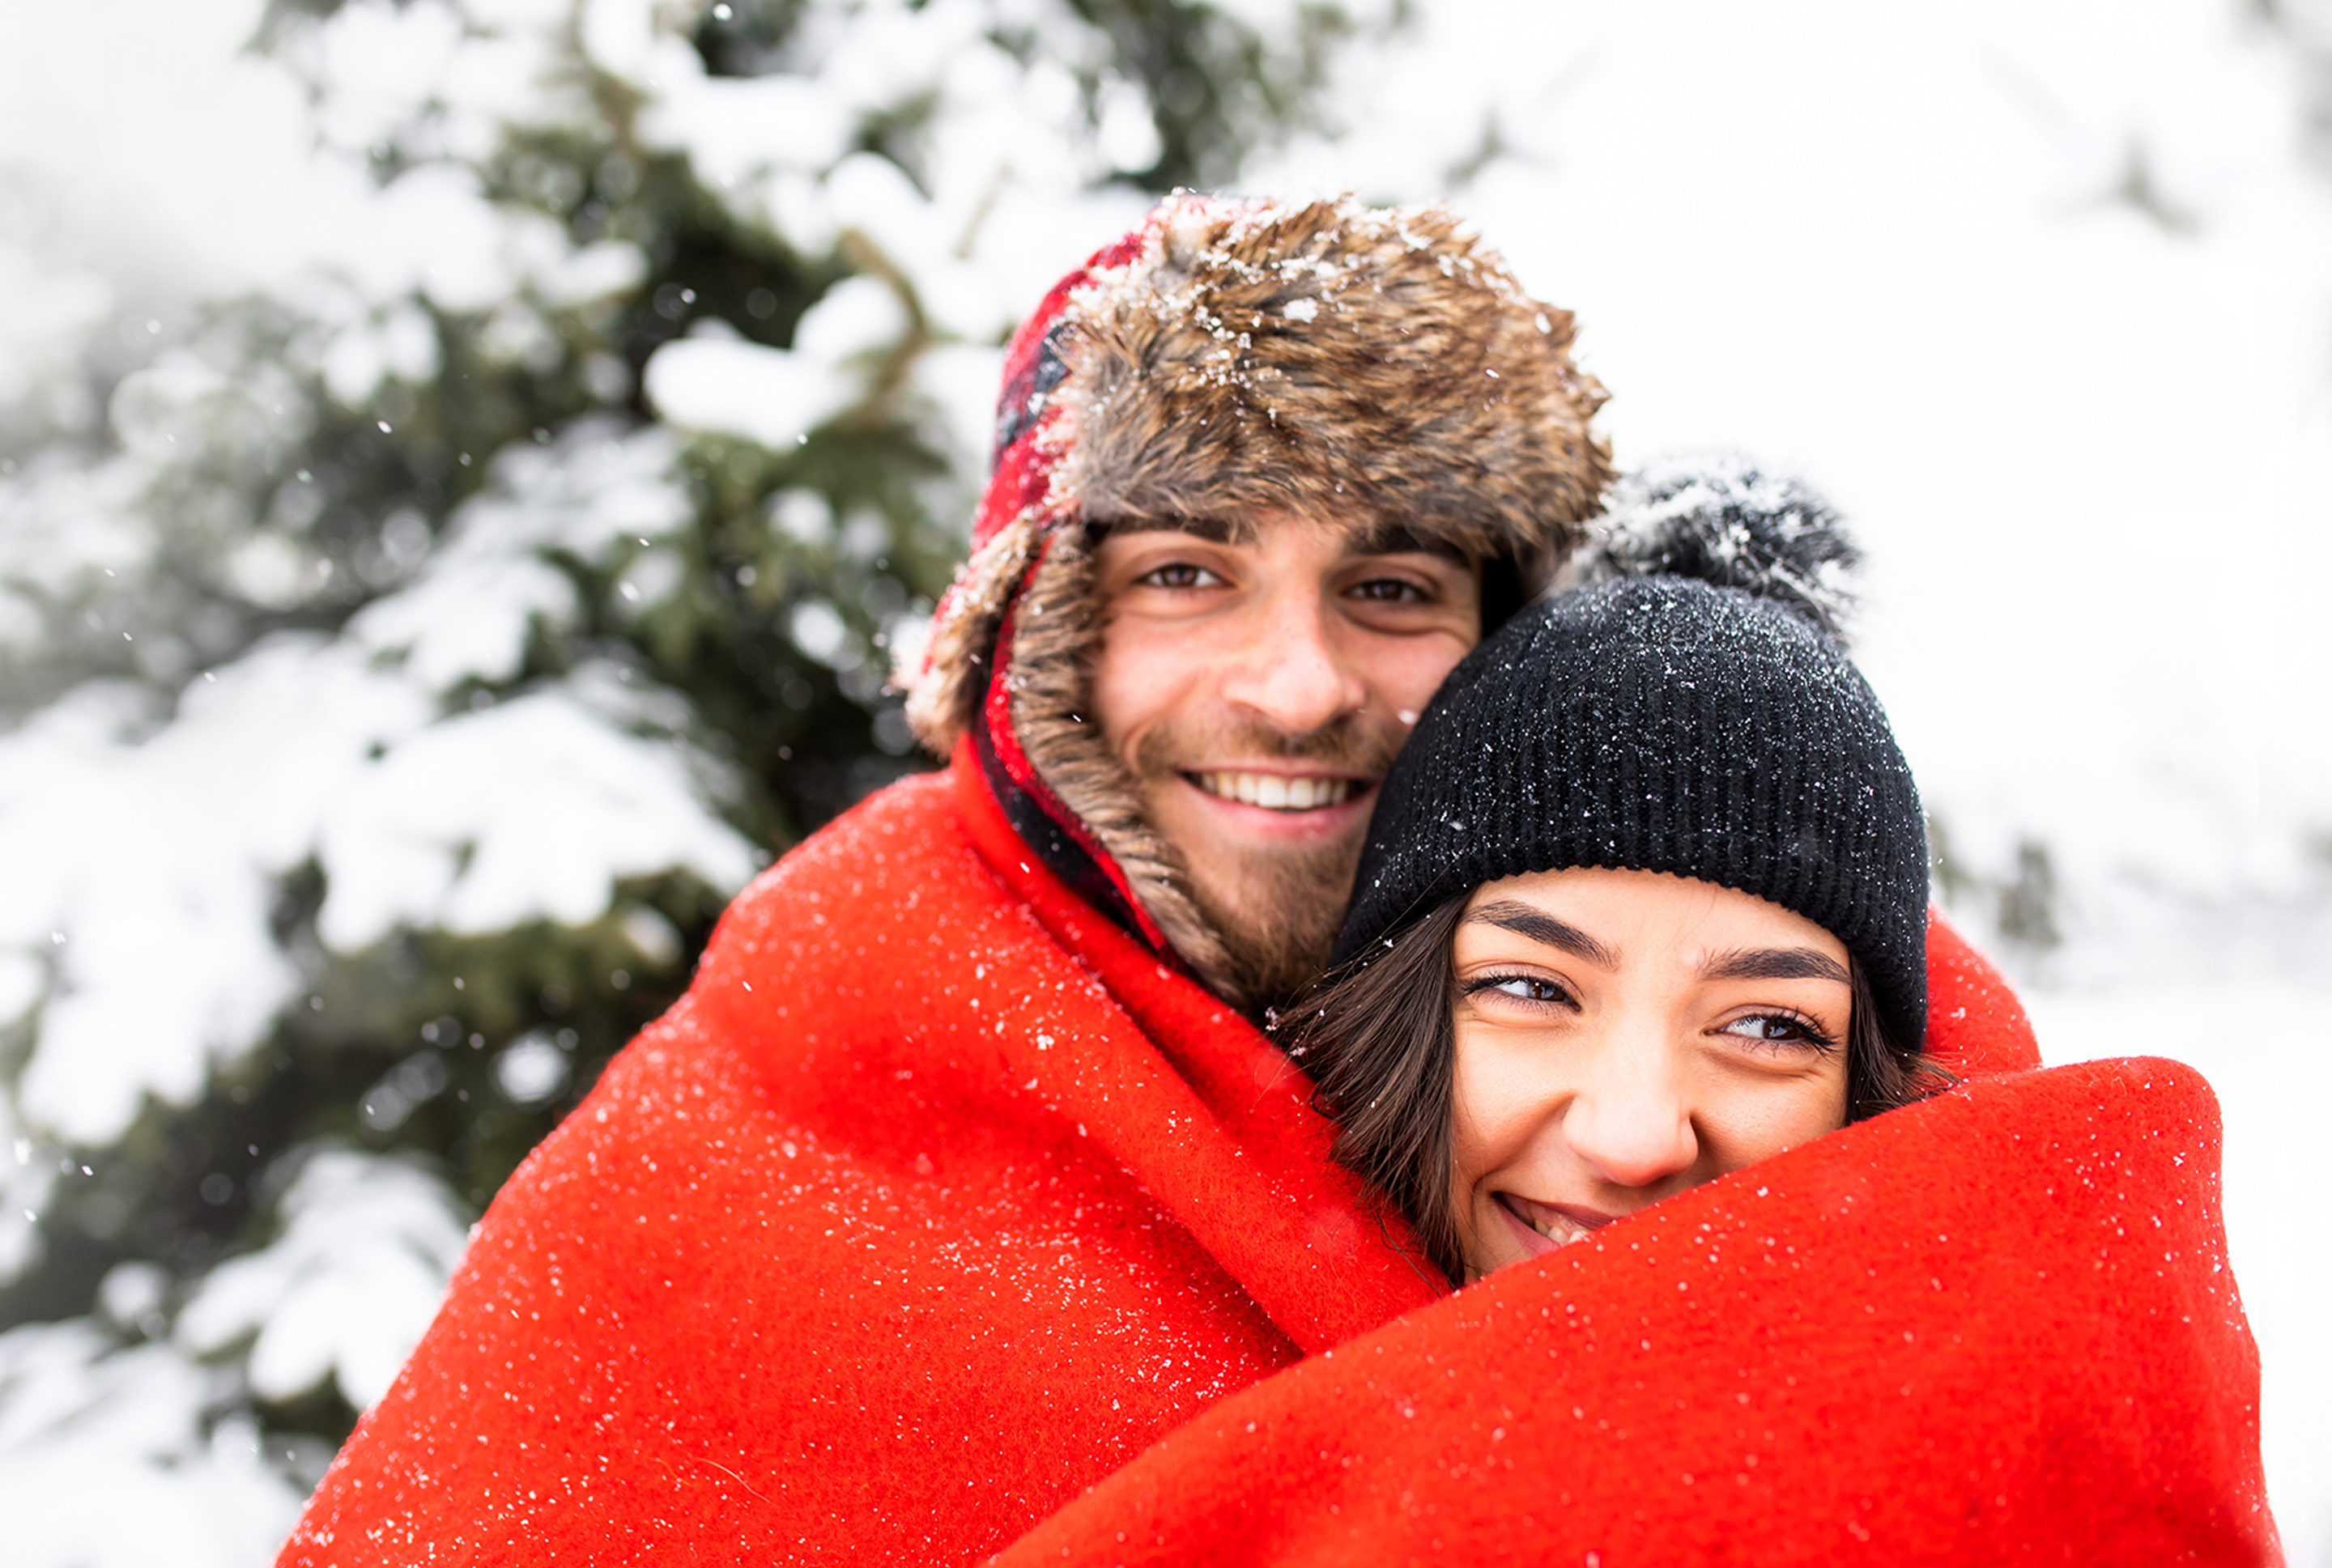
1719 518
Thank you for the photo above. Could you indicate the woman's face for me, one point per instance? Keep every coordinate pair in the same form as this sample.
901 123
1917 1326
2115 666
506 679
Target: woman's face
1622 1036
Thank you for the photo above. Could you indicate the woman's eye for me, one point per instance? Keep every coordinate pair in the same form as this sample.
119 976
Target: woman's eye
1777 1029
1524 987
1179 575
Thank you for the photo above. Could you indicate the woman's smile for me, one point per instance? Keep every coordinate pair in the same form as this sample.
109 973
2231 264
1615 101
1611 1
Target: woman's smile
1545 1227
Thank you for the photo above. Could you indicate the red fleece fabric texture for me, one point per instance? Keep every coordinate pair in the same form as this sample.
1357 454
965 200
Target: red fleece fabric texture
938 1202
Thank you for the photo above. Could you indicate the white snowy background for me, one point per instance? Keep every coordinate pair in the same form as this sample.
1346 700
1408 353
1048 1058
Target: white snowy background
2041 294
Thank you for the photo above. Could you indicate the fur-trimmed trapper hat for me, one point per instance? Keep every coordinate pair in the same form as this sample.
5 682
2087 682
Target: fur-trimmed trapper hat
1226 358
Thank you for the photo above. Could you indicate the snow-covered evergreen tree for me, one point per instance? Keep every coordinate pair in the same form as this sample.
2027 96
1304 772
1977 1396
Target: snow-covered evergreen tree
400 669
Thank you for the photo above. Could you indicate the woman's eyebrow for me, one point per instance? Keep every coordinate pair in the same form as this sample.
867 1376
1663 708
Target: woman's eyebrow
1776 964
1526 921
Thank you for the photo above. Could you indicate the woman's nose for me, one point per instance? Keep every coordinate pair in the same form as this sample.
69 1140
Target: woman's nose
1630 1125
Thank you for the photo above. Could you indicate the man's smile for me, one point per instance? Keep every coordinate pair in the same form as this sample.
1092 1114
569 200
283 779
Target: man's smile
1276 791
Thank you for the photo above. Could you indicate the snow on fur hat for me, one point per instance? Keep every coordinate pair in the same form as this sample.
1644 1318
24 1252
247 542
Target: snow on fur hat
1227 357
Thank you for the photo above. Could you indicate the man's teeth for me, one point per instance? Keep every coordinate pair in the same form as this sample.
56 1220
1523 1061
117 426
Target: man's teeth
1276 791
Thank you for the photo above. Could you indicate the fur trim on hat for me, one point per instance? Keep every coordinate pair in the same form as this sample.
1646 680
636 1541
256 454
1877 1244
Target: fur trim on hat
1336 361
1332 360
955 661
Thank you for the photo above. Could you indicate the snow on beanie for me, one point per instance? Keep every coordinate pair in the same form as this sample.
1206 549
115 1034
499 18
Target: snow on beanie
1666 723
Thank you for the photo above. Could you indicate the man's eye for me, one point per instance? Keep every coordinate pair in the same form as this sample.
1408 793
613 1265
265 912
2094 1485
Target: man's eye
1179 575
1387 591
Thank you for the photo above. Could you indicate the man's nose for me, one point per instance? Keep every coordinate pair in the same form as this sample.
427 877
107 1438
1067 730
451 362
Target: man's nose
1630 1122
1289 670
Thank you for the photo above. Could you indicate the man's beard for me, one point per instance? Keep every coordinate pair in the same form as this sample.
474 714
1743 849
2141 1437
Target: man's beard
1281 924
1279 908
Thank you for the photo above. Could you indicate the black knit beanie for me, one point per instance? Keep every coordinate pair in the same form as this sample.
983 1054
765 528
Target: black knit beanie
1661 723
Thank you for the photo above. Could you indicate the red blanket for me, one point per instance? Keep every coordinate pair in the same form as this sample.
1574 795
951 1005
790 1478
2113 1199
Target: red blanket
1995 1327
939 1200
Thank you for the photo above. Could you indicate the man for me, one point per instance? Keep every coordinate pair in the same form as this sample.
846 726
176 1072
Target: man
962 1176
1261 478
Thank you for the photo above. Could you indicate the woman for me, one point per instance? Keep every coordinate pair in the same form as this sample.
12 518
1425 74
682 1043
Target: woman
1643 902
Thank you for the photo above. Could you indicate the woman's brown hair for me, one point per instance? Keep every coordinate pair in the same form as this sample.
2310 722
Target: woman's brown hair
1377 1038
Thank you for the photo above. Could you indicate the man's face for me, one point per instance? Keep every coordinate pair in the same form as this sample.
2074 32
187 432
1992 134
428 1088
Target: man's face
1256 679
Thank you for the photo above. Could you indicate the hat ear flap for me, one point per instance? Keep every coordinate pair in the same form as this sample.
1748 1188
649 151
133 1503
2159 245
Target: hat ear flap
951 677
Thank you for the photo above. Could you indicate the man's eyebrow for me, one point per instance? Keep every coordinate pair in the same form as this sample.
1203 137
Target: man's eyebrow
1539 926
1776 964
1397 538
1380 538
1214 530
